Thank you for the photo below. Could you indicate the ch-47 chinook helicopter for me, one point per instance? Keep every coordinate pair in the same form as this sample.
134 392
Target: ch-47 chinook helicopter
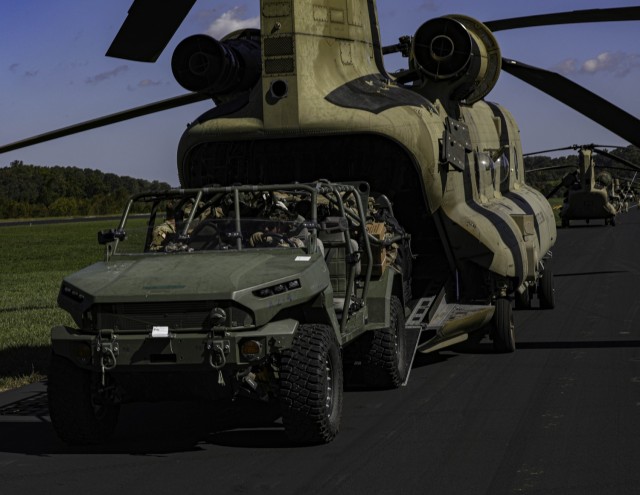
307 96
589 195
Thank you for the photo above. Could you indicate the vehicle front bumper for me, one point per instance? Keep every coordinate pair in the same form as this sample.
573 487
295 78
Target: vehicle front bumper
112 350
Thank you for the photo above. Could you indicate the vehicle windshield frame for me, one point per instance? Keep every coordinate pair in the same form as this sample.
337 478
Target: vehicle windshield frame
210 196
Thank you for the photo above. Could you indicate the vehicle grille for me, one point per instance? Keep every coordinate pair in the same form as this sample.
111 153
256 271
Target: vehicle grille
144 316
185 316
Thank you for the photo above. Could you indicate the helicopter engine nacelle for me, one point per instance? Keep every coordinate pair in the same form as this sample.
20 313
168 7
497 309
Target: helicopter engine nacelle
458 52
203 64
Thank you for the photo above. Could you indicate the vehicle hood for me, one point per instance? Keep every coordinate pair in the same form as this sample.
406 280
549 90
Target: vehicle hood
195 276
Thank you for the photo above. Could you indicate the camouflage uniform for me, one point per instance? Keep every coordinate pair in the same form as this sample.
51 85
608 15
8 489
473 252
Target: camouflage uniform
160 234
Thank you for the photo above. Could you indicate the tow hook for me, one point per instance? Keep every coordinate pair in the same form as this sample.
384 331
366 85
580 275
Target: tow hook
217 356
107 349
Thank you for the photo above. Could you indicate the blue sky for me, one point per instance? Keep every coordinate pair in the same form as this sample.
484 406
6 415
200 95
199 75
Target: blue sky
54 73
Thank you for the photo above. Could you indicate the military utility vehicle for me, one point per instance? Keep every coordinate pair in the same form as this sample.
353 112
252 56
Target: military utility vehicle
221 292
269 292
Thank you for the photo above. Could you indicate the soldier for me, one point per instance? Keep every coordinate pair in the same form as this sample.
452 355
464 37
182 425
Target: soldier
274 232
163 232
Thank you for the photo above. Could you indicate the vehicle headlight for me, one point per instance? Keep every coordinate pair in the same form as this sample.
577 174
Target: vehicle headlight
277 288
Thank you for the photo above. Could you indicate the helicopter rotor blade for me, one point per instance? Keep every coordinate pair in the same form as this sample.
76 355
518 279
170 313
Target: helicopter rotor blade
572 17
549 151
552 167
579 98
617 159
148 28
113 118
553 191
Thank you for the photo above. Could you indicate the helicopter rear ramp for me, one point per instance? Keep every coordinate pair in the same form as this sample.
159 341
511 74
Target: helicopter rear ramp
435 324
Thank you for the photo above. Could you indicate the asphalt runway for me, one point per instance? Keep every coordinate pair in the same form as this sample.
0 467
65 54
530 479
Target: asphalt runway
560 416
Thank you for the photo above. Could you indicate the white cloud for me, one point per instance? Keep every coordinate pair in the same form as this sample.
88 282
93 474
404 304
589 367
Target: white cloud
103 76
232 21
618 63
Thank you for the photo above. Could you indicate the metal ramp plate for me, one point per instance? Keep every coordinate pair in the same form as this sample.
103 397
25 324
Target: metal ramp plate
451 323
413 326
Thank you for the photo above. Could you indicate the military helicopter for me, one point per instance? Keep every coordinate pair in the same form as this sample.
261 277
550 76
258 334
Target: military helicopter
307 96
589 195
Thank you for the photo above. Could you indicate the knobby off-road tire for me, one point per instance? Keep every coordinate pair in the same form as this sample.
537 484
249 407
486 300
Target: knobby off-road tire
385 360
311 383
75 416
546 287
504 335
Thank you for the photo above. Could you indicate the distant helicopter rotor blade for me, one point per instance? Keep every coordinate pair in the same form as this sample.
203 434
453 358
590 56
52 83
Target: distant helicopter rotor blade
148 28
617 159
549 151
579 98
553 191
572 17
553 167
113 118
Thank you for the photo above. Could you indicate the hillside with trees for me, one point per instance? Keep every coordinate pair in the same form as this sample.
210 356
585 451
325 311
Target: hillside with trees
31 191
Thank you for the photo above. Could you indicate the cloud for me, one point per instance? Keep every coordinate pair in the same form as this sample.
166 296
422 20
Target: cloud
232 21
103 76
430 5
619 64
15 68
145 83
148 82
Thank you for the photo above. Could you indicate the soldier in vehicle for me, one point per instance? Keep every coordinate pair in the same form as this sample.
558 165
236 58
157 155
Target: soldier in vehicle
275 230
167 229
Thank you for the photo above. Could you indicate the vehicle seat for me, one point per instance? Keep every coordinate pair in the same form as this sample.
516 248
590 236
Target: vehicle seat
335 257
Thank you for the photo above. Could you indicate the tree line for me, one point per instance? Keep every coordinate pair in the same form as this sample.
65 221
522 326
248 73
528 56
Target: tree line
32 191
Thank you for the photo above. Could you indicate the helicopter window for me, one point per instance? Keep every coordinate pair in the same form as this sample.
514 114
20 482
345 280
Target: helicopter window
485 173
502 164
516 166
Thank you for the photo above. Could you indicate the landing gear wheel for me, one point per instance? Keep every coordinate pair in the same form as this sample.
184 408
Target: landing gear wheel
546 289
311 384
504 334
76 416
565 223
612 221
385 361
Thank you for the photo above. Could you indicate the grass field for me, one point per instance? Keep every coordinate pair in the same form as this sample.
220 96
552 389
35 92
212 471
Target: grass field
34 260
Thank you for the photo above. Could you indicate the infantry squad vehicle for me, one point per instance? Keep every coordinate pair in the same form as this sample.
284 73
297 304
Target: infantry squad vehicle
255 291
268 292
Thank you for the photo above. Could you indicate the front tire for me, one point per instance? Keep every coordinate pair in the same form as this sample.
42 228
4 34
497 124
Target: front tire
311 383
75 415
504 334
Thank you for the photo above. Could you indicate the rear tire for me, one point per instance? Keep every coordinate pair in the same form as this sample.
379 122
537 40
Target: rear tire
311 382
546 287
385 360
75 415
504 335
